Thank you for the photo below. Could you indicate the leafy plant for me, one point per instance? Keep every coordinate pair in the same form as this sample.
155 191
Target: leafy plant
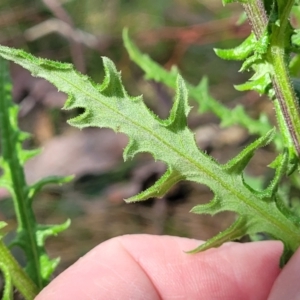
30 236
267 52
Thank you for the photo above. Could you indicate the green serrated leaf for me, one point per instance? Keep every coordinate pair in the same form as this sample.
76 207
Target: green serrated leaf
200 93
170 141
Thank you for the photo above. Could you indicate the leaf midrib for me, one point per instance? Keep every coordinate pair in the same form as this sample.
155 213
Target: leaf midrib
216 177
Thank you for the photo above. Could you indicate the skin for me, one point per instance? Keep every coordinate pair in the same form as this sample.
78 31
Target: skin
141 267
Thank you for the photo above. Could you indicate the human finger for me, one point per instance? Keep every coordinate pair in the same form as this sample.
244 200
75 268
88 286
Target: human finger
156 267
286 285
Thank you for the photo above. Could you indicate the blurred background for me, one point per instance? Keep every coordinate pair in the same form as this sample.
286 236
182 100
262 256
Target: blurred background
172 32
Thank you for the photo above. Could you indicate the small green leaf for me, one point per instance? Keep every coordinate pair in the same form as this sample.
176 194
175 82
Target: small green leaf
160 188
45 231
237 230
240 52
238 164
259 84
281 171
36 187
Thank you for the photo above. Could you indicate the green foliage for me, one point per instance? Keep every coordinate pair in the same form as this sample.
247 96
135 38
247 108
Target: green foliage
200 93
266 53
232 1
30 236
252 51
8 288
170 140
13 274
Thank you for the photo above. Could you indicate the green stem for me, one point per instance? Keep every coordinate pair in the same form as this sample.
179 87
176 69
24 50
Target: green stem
283 86
19 278
10 141
257 17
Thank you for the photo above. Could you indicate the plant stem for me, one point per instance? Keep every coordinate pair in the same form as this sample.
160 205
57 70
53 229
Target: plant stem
282 84
257 17
10 141
19 278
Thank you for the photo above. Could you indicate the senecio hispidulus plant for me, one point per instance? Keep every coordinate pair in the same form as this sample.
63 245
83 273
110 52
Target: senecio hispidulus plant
271 53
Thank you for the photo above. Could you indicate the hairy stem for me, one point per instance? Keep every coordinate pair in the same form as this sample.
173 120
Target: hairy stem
257 17
276 55
19 278
9 141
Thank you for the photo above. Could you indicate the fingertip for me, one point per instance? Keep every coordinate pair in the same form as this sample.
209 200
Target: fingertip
156 267
286 285
106 272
